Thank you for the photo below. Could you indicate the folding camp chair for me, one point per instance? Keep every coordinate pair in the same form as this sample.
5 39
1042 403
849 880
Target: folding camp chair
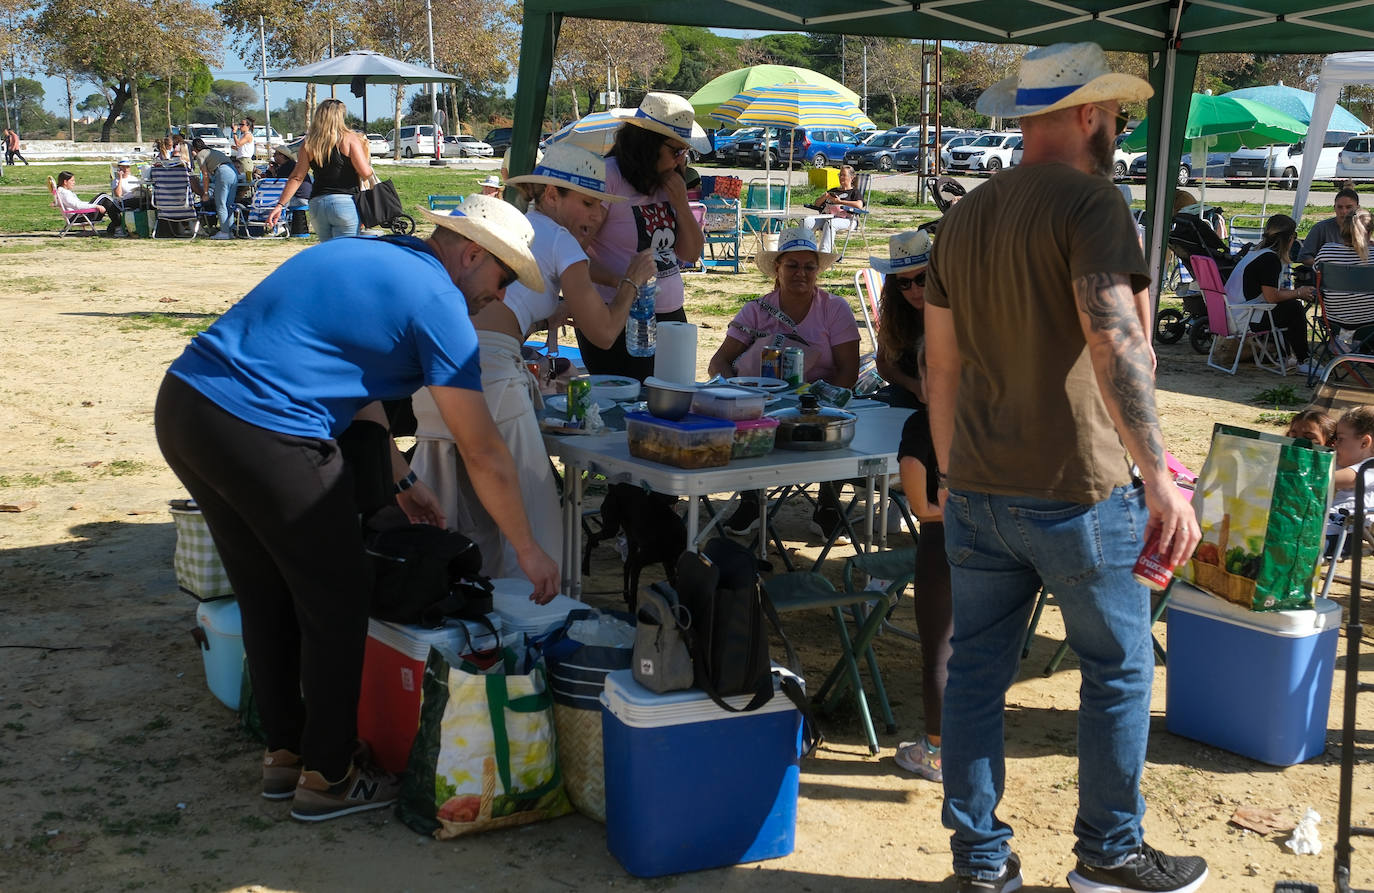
698 265
77 217
1246 229
1232 323
868 282
721 227
858 216
767 200
173 201
445 202
1335 335
266 194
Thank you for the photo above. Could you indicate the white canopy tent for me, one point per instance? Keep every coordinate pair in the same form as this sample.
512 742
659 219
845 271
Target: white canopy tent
1338 70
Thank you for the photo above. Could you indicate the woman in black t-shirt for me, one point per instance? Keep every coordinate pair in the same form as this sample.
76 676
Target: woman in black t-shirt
1259 276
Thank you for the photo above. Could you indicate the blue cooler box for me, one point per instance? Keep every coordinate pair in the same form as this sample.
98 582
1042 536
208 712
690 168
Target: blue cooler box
691 786
1256 683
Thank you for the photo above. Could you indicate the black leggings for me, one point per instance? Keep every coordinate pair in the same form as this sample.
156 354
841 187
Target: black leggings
934 619
616 360
283 515
1290 317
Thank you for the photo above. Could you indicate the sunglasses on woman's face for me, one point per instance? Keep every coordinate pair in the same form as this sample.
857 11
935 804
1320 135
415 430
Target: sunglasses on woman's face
905 282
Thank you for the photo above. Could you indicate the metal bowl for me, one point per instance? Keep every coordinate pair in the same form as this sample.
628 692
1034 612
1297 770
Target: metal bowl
668 400
811 426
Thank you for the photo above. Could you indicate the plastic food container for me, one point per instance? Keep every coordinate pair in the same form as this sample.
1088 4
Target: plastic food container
695 441
754 437
728 403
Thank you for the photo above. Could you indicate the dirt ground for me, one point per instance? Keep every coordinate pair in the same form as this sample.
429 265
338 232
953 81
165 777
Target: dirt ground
122 772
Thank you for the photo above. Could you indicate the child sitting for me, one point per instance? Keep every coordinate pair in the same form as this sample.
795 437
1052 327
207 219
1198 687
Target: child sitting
1354 443
1313 425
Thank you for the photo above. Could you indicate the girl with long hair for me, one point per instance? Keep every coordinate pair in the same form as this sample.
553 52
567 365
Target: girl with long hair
338 159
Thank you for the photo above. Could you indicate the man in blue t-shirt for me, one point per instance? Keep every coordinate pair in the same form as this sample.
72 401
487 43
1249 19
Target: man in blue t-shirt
249 418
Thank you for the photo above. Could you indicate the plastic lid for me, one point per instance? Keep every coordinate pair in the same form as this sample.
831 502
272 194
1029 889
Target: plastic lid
637 707
511 599
689 422
1323 615
730 394
750 424
221 616
462 636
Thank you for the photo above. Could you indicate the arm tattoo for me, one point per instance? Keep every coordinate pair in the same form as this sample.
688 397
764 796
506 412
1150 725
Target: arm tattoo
1108 303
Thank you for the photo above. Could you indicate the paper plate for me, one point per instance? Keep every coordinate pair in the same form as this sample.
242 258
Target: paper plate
760 384
559 403
616 387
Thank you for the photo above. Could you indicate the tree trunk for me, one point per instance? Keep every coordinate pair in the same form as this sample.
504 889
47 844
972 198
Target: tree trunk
309 105
575 113
138 112
892 98
71 109
4 98
396 143
117 101
169 105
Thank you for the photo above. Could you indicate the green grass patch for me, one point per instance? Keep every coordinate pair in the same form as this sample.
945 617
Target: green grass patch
122 467
186 324
1283 395
1275 417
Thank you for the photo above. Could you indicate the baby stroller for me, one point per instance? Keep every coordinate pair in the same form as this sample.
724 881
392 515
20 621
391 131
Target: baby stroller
1189 236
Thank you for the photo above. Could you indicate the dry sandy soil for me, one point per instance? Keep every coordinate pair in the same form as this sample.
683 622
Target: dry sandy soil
120 771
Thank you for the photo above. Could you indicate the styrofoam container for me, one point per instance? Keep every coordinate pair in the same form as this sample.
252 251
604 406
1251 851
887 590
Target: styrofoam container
393 675
1256 683
221 650
728 403
691 786
511 599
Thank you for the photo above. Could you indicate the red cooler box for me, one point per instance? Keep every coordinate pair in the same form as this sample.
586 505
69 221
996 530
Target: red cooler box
393 674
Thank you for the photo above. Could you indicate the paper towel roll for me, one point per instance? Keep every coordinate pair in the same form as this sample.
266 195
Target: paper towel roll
675 357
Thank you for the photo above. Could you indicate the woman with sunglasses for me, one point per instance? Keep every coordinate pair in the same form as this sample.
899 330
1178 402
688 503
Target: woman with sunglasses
646 167
901 314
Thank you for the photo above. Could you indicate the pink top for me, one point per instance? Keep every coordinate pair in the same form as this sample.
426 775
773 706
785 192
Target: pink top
829 323
644 221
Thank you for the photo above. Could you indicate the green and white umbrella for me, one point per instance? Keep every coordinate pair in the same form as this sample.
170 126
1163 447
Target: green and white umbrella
732 83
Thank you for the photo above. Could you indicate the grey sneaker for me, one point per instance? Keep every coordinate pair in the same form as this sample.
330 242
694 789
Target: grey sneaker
1145 871
920 758
281 770
1008 880
363 788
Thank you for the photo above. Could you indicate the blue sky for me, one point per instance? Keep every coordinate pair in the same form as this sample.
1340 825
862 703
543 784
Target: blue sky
379 99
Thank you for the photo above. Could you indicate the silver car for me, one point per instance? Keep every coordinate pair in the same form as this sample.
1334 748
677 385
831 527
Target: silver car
465 145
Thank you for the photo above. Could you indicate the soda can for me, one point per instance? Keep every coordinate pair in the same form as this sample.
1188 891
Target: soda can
770 363
793 366
579 399
1152 568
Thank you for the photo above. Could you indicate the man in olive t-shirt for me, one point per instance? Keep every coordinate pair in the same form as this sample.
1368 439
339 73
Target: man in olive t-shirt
1040 380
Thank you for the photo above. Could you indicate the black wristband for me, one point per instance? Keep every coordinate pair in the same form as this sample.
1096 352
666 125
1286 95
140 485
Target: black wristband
406 482
942 480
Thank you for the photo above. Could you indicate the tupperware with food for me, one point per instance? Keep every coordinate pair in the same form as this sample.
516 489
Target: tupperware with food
754 437
728 403
694 441
811 426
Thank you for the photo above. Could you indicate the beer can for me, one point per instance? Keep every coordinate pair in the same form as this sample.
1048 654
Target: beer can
770 363
793 366
1152 568
579 399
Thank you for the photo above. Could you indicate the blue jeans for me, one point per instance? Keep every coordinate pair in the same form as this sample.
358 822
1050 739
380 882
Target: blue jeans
334 216
1000 549
224 182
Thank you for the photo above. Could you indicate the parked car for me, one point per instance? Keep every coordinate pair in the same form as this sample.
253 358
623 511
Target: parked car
1216 167
378 144
749 149
1249 164
414 139
1122 160
272 140
817 145
907 158
499 139
211 134
729 152
1015 153
955 142
881 151
465 145
1356 160
989 153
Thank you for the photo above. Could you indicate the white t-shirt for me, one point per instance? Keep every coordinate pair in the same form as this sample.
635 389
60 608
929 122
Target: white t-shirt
249 149
554 250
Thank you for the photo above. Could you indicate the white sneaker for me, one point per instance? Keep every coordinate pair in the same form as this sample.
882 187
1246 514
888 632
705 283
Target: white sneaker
1306 368
222 235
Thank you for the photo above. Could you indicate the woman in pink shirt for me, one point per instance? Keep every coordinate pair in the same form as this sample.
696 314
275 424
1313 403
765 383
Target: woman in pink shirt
796 313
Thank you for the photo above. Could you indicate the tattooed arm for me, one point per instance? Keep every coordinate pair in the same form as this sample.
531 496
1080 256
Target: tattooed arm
1111 317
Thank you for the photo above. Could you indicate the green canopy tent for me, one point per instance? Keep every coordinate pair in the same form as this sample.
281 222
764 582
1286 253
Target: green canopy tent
1174 34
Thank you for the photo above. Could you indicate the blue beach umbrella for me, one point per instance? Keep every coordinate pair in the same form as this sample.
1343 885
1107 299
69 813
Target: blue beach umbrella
1298 103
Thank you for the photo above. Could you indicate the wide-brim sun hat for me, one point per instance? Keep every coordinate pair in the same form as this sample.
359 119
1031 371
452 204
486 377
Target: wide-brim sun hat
499 228
790 241
284 150
672 116
491 182
906 252
571 167
1059 76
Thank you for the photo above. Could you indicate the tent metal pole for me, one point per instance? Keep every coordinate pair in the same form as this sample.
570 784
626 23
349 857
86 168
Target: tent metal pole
538 40
1158 203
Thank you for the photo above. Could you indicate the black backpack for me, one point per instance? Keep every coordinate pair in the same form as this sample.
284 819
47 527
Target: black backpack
424 573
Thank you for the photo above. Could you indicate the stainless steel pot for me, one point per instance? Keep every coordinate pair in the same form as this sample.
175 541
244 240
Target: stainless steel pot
811 426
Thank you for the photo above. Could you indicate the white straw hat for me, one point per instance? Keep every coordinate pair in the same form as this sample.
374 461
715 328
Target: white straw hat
571 167
491 181
906 251
497 227
673 116
793 239
1059 76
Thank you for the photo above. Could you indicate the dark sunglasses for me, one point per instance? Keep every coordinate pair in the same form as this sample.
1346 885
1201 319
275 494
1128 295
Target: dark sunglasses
904 282
508 276
1122 119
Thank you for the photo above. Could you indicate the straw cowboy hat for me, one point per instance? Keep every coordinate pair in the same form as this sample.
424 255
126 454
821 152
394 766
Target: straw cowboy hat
793 239
497 227
571 167
1057 77
672 116
906 252
285 150
491 181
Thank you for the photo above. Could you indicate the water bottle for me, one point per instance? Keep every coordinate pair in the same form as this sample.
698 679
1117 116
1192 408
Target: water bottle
641 329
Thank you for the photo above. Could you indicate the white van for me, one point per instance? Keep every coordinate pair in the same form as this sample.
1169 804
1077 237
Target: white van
1248 164
418 139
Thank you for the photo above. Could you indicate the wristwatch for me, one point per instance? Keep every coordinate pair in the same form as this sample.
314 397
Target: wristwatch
406 483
